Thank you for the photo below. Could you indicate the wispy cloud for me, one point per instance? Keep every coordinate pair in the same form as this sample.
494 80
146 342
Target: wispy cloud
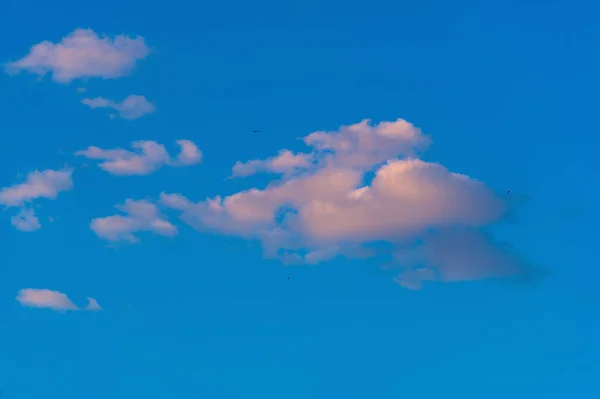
285 162
149 157
83 54
139 216
133 107
45 184
93 305
55 300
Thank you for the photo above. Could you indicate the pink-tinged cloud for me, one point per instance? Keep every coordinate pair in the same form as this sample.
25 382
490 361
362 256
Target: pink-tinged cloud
83 54
323 206
189 154
26 221
44 184
93 305
138 216
43 298
147 157
284 163
132 107
55 300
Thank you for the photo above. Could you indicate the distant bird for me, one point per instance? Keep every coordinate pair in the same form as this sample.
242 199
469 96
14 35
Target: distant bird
255 131
288 278
508 192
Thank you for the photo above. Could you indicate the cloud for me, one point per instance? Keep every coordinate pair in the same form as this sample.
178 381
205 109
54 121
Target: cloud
93 305
149 157
26 221
139 216
132 107
363 191
83 54
55 300
459 254
45 184
285 162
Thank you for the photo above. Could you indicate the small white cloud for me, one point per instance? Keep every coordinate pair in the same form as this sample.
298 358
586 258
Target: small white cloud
149 157
45 184
83 54
139 216
285 162
93 305
55 300
189 154
132 107
43 298
26 221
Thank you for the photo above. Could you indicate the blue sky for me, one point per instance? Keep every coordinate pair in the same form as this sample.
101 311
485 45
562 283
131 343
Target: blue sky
191 296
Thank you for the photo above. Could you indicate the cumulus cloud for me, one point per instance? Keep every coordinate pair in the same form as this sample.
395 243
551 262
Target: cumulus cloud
148 157
324 204
83 54
132 107
189 154
55 300
26 220
45 184
139 216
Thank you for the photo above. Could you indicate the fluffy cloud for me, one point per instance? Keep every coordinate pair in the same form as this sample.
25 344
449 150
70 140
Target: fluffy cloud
139 216
44 184
132 107
26 220
428 219
83 54
149 157
44 298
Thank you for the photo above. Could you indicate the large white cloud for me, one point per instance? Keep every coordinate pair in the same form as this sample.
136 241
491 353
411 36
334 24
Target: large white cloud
148 157
83 54
324 204
55 300
132 107
139 216
45 184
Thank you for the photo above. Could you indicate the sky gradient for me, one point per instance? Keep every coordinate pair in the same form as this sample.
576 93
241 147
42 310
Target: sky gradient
299 200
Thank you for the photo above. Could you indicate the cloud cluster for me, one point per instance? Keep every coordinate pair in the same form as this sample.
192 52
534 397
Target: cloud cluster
324 205
45 184
130 108
44 298
360 191
149 157
138 216
83 54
